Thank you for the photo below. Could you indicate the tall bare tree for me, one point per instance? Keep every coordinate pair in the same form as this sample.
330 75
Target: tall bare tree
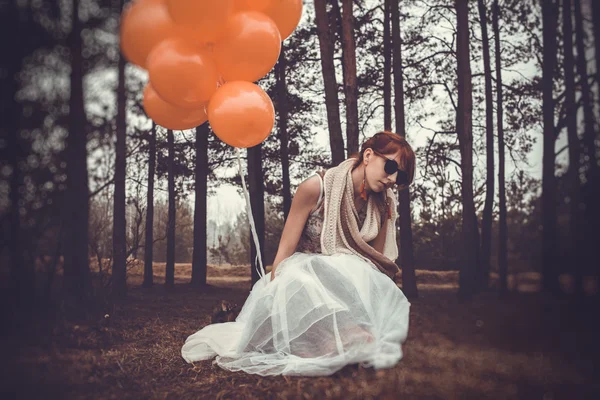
326 46
407 261
21 273
149 238
595 184
464 128
350 85
596 23
549 223
119 274
170 267
77 285
586 96
257 202
199 256
486 223
502 223
590 147
282 112
387 68
574 184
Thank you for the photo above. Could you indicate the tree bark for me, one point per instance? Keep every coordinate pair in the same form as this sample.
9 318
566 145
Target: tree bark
170 267
595 218
199 256
590 194
399 114
326 41
469 235
257 202
502 223
387 68
149 241
350 86
282 102
119 274
596 23
549 223
77 285
586 97
573 184
487 220
407 262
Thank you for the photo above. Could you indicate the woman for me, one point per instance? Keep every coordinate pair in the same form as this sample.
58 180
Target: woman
330 299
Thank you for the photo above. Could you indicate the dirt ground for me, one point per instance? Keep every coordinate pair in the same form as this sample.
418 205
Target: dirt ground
523 346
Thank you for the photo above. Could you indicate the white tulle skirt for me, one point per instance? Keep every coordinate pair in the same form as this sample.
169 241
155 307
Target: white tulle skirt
319 314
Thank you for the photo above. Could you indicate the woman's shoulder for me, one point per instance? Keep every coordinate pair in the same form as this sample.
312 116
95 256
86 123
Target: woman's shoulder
310 189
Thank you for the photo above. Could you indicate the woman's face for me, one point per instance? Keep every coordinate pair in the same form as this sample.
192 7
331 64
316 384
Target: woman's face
377 179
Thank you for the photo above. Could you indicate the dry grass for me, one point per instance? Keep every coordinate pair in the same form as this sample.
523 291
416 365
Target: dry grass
524 346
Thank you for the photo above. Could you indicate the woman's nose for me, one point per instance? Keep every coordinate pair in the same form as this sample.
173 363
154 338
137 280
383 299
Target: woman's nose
391 179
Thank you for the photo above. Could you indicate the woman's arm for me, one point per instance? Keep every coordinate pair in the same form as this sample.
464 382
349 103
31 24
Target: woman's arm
304 202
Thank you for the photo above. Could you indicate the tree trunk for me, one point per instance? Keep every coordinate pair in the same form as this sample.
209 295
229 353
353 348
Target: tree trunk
596 23
469 236
119 274
22 275
170 267
589 261
199 257
387 68
549 223
574 146
326 41
335 22
282 102
257 202
407 261
487 220
595 219
149 242
586 97
350 86
502 224
77 285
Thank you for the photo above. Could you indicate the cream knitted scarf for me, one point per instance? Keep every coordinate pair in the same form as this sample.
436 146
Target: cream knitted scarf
340 232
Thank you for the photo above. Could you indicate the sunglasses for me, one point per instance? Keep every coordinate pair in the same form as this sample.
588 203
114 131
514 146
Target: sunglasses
391 167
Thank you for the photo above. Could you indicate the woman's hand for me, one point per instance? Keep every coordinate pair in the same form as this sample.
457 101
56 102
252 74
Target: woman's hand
273 272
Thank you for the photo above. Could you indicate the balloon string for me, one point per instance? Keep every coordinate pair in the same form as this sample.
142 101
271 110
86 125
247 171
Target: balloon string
258 259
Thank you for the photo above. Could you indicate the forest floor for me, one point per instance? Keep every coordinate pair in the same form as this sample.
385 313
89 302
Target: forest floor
524 345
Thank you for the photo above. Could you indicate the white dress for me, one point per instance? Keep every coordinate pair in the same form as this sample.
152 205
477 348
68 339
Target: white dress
320 313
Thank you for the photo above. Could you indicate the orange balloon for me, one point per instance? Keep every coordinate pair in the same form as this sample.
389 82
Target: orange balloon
241 114
169 116
144 23
249 48
286 14
207 18
181 74
252 5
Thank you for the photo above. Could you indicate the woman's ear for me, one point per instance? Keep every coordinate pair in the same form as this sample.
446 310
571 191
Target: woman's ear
367 155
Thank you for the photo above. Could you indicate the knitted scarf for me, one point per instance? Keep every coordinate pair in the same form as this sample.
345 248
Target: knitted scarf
340 232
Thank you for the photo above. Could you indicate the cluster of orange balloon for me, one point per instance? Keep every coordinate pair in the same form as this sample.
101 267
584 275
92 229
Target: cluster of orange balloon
202 57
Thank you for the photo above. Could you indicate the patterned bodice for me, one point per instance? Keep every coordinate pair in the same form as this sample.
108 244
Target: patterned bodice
310 239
